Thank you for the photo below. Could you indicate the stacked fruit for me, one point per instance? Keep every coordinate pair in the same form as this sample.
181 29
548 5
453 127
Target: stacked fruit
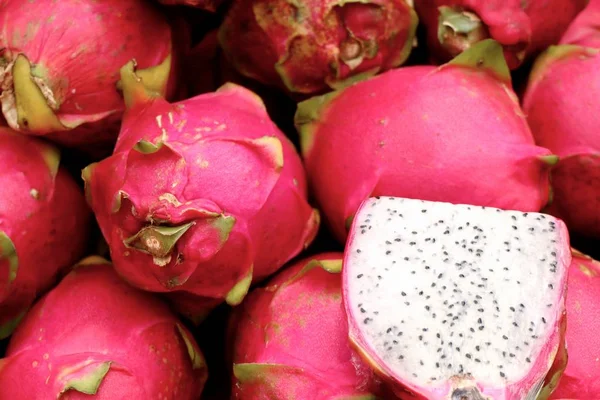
455 167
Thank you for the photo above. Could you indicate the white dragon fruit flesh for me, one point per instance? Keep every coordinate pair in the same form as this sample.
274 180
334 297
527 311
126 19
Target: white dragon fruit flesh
457 302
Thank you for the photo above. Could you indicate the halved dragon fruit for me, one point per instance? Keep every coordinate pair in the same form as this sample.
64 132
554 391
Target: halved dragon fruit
60 62
457 301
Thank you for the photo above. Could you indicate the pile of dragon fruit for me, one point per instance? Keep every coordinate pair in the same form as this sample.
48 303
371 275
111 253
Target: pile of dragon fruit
299 200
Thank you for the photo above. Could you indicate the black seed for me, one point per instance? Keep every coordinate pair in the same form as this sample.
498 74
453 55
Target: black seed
359 276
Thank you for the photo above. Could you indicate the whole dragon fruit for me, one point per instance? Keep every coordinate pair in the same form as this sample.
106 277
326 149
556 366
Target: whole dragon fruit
59 68
455 301
95 337
43 223
522 27
311 46
559 116
291 338
208 5
581 379
200 197
585 30
454 133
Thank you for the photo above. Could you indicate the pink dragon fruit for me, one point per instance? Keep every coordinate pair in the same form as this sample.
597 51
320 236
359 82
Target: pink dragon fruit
417 132
208 5
200 197
522 27
43 223
291 338
311 46
581 379
455 301
61 59
585 30
559 116
94 335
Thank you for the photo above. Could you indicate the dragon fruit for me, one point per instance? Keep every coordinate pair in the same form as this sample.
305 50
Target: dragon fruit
559 116
585 29
457 302
309 46
200 197
291 338
417 132
522 27
43 223
581 379
59 68
208 5
95 335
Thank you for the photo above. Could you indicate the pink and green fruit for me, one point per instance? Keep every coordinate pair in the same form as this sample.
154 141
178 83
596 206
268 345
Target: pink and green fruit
44 223
563 87
307 47
290 338
453 133
200 198
95 337
60 64
581 379
522 27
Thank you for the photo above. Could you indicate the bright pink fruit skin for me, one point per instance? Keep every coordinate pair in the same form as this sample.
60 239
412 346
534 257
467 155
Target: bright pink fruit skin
563 87
43 218
581 379
93 321
522 27
585 29
77 48
308 47
451 134
291 338
222 166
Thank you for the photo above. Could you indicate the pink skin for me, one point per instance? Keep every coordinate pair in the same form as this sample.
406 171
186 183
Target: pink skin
310 47
78 47
522 27
395 134
581 379
222 161
585 30
43 213
296 322
563 86
404 391
93 318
